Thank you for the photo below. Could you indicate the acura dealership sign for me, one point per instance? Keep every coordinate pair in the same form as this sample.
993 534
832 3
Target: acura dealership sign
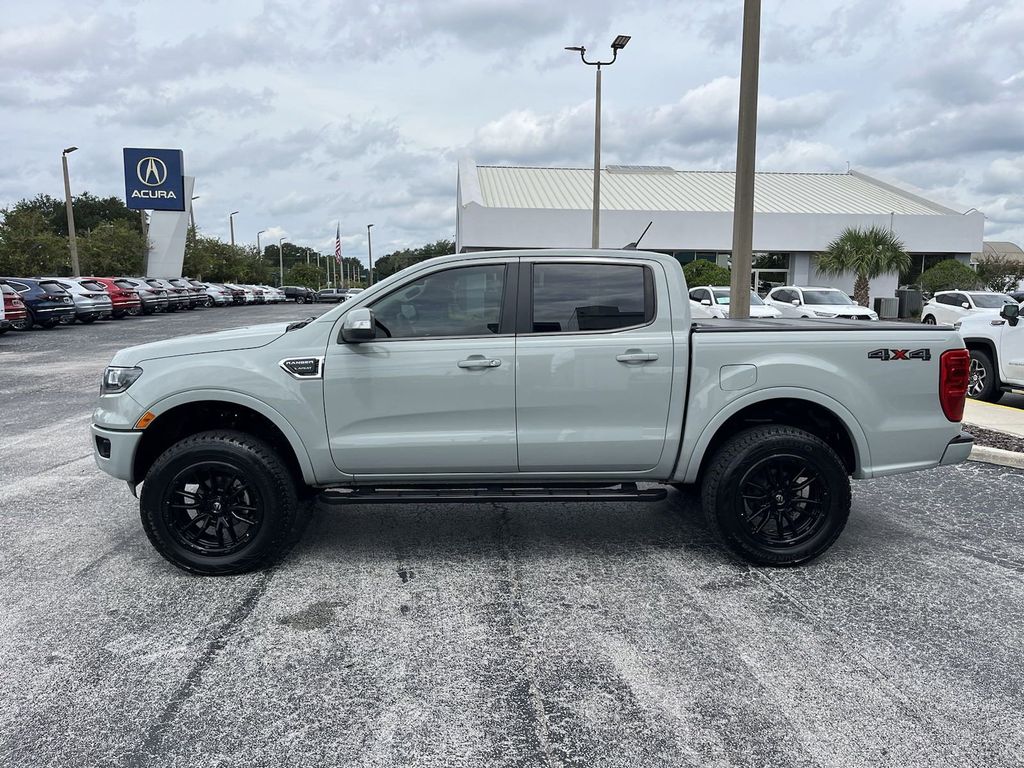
154 180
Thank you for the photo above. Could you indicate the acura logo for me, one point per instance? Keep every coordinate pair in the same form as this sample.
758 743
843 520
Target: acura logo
152 171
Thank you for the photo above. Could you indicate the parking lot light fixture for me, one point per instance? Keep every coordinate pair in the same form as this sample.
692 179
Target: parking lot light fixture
192 211
617 45
369 252
72 242
231 224
259 250
280 260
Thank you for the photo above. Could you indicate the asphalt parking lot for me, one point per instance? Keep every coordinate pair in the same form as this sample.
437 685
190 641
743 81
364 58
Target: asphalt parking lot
519 635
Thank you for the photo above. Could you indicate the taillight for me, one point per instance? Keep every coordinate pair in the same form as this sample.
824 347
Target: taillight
954 373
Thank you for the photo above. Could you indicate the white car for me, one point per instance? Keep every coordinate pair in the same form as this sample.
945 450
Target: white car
811 301
219 294
951 306
250 295
92 302
715 299
996 344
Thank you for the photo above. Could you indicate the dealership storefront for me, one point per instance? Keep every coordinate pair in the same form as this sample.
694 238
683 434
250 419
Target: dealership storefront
795 216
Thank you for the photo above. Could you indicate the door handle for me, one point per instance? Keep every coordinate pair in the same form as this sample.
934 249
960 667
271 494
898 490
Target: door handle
637 357
479 362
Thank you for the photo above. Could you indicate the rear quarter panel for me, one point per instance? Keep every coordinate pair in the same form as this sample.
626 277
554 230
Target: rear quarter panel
890 407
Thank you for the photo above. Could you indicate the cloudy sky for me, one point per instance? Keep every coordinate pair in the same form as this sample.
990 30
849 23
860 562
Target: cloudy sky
303 114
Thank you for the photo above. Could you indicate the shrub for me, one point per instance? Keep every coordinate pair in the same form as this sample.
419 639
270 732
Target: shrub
704 272
949 275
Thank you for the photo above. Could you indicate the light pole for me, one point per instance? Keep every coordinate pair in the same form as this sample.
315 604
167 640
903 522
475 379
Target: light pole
617 45
369 251
280 260
231 223
192 212
72 243
259 250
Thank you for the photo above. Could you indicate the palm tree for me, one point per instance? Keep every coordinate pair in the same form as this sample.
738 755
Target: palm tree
868 253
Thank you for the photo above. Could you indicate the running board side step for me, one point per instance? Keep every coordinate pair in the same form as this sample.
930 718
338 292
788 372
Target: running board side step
489 493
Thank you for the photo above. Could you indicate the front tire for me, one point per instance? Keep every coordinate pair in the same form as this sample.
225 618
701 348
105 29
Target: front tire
928 320
776 495
218 503
983 381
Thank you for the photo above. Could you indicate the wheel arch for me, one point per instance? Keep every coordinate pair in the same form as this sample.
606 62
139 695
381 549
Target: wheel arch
986 346
179 416
809 410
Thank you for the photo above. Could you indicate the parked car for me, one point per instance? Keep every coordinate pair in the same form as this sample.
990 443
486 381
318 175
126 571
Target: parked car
332 295
124 299
716 297
219 295
177 298
91 304
811 301
14 312
47 303
1017 296
996 345
352 292
196 298
300 294
271 295
427 387
240 293
153 298
951 306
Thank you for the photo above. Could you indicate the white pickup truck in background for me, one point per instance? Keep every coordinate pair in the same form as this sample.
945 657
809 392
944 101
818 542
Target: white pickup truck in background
996 345
525 376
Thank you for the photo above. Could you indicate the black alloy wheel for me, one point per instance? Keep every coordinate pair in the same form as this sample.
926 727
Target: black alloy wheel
929 320
212 508
776 495
220 502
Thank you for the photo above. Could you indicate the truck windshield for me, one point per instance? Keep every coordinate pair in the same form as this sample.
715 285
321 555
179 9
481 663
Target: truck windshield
991 300
826 297
722 297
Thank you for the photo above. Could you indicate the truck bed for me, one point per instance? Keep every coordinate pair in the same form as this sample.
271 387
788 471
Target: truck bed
717 325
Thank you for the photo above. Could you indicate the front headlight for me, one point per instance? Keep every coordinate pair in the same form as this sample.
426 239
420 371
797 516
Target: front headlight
873 315
824 314
117 379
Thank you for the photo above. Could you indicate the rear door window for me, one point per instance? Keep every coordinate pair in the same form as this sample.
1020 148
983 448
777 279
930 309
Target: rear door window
590 297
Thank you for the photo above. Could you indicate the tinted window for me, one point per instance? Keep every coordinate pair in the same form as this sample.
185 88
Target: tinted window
991 300
826 297
127 285
19 287
4 288
589 297
91 285
456 302
722 297
51 286
784 295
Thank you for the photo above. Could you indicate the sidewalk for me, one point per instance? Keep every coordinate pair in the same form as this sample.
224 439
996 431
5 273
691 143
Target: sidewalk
999 418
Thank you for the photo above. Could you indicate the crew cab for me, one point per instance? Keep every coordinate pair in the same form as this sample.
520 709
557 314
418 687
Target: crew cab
525 375
996 346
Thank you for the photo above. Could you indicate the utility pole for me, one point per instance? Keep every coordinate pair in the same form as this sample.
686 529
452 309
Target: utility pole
369 251
72 242
617 45
746 141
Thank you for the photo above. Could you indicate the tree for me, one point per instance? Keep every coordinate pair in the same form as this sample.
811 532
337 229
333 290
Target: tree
90 212
307 275
28 246
704 272
396 261
114 248
949 275
999 273
868 253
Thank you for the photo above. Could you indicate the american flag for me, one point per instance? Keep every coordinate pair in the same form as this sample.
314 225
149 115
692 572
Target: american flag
337 245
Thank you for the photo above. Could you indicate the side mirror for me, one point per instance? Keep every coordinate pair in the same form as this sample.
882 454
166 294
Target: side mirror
795 302
705 302
359 326
965 305
1010 313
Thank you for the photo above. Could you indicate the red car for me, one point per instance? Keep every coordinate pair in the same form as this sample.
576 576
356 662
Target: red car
122 294
14 309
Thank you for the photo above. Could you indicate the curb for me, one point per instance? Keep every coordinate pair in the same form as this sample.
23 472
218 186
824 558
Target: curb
997 456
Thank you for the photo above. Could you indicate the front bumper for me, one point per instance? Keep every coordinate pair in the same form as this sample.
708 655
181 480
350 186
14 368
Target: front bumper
958 449
114 450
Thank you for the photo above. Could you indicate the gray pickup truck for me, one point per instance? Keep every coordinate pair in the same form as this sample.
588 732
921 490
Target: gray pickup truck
525 375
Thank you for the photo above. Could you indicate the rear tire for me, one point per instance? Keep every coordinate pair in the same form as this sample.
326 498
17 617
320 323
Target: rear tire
983 383
776 495
87 320
25 324
220 502
928 320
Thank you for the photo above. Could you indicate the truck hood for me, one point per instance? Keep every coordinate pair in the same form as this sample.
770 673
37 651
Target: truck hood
249 337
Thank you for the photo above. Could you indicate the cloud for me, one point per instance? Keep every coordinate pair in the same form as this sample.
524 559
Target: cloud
1003 175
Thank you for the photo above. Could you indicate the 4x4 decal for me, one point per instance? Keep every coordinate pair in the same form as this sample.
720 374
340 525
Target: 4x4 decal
900 354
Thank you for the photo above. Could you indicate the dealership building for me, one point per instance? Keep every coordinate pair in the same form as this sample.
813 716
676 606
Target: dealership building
796 215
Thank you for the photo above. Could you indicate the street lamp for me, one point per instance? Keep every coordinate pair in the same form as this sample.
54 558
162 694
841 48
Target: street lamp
617 45
259 250
72 243
280 260
369 250
231 223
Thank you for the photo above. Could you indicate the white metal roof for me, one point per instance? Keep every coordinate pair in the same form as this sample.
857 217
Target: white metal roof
655 188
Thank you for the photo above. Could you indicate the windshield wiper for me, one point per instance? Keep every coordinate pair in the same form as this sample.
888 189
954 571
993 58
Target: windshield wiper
299 324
